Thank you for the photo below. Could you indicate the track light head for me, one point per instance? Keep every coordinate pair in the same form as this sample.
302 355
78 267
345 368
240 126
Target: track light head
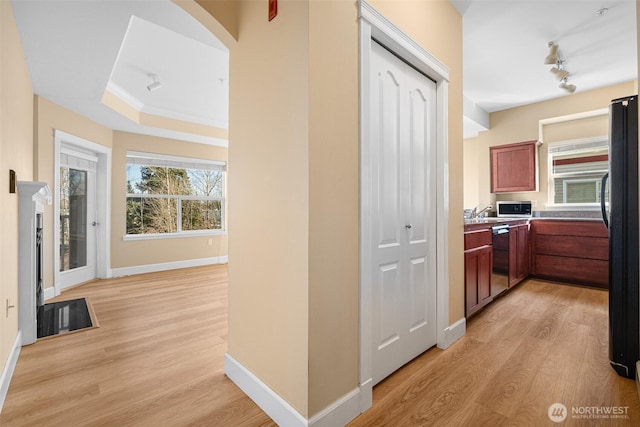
155 84
552 57
559 72
566 86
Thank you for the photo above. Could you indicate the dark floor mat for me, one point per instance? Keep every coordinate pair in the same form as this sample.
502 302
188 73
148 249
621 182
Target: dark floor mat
63 317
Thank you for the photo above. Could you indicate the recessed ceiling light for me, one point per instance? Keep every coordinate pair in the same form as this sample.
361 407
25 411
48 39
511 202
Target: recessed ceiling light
602 12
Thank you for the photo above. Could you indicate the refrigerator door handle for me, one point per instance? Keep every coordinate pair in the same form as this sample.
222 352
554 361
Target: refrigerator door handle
603 205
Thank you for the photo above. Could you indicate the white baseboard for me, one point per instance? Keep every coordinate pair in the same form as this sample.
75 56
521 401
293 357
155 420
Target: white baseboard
366 395
276 407
9 367
338 413
49 293
453 333
152 268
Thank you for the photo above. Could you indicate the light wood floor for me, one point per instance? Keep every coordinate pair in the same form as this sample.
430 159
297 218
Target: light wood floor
156 360
540 344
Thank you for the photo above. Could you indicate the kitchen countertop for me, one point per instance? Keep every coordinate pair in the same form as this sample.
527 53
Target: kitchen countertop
484 223
493 220
551 218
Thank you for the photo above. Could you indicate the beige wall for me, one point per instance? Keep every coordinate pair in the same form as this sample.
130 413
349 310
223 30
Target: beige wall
269 198
16 152
333 202
471 172
437 26
144 252
49 117
521 124
225 24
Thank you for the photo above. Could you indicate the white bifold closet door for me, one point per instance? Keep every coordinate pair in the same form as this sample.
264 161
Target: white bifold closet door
403 150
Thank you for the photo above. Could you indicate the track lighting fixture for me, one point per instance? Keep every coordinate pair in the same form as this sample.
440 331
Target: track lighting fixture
559 70
566 86
552 57
155 84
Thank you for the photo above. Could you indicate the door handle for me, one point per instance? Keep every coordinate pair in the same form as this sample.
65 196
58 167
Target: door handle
94 223
408 226
603 206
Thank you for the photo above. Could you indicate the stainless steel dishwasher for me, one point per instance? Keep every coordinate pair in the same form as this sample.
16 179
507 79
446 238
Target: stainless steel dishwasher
500 272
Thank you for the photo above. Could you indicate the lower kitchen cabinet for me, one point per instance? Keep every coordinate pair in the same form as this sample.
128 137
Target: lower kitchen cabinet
478 264
571 251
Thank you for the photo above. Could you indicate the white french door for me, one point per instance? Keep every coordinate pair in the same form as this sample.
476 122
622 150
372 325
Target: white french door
403 159
76 203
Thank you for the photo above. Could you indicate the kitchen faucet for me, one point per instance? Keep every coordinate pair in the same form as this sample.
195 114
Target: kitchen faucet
475 214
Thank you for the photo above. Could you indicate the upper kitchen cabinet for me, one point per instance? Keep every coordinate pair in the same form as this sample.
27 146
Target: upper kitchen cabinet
514 167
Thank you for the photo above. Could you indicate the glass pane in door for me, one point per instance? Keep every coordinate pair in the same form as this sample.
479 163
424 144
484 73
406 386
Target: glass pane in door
73 218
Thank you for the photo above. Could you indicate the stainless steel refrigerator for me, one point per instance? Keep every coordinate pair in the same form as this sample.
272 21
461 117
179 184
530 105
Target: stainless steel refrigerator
622 221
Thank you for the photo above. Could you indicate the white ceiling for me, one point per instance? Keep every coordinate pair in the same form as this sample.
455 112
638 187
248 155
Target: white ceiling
505 43
193 75
77 49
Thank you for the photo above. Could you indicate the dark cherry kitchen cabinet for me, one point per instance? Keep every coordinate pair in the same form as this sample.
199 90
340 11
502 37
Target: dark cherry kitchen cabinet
519 254
571 251
514 167
478 263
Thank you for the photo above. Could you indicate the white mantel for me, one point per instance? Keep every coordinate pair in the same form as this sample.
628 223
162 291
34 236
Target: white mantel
32 197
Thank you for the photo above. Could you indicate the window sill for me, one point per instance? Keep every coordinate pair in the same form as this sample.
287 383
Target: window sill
133 237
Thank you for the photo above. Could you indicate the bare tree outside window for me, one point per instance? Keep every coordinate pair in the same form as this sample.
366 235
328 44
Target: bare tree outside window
173 200
206 182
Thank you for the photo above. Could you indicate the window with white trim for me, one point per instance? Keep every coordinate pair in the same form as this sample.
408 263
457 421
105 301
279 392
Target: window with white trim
576 170
174 195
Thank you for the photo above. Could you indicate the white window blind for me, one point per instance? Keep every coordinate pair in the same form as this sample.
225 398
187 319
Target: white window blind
580 158
159 160
578 146
77 160
576 169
